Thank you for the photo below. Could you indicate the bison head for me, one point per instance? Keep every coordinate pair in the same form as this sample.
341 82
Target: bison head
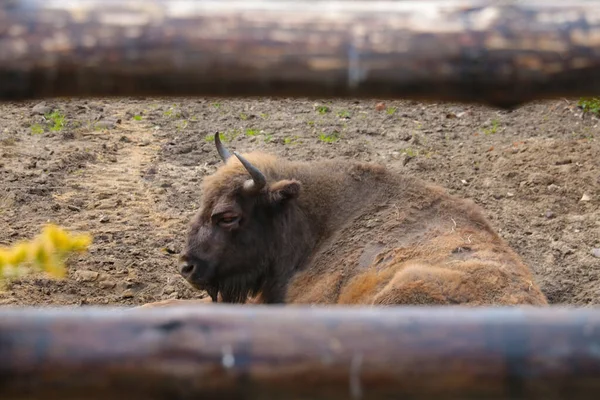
247 235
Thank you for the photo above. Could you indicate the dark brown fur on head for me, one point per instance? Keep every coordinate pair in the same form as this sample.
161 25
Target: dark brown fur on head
249 235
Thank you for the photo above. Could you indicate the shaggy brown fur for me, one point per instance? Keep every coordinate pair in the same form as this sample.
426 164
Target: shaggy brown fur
333 232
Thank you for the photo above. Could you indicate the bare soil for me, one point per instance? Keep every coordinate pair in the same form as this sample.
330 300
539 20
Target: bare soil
128 172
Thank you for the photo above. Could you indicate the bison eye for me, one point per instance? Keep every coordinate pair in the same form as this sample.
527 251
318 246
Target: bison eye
228 220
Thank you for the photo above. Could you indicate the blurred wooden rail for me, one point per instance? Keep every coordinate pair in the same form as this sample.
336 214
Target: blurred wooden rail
497 52
258 352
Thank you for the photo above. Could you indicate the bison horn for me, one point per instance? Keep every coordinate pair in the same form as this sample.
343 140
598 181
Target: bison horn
259 179
223 152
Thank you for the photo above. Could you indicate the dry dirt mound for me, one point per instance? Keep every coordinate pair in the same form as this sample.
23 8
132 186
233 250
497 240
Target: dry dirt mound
128 171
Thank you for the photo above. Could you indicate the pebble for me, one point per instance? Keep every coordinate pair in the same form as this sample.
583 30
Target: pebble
405 159
41 109
107 284
168 290
550 215
596 252
563 162
170 249
106 124
380 106
585 197
86 276
127 294
104 219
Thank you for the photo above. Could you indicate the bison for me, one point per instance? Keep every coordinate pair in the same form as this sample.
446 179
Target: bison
336 232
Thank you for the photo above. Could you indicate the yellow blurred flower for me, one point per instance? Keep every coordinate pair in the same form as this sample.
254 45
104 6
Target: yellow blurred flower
18 254
47 252
57 236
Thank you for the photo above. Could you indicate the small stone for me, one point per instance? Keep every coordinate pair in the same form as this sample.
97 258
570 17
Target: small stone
596 252
510 194
86 276
550 215
41 109
380 106
104 219
553 188
564 162
170 249
106 124
73 208
127 294
168 290
107 284
585 197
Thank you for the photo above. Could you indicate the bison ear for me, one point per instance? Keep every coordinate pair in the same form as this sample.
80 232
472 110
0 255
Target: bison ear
285 189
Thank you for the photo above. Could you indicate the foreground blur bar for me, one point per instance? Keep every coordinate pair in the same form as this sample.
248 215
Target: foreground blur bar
260 352
502 53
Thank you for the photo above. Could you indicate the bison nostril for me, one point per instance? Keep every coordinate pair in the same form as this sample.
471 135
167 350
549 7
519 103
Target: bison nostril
186 270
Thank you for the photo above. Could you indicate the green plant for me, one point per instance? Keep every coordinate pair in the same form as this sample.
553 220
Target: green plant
268 138
172 113
243 116
225 136
323 109
252 132
37 129
216 105
492 129
57 119
344 114
137 117
411 152
391 110
291 140
590 105
334 137
181 125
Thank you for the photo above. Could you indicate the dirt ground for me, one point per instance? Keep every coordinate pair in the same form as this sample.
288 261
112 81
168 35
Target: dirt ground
128 172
